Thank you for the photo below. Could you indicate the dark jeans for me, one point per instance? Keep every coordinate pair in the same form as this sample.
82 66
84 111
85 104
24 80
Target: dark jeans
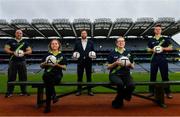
125 85
163 66
80 70
14 68
50 80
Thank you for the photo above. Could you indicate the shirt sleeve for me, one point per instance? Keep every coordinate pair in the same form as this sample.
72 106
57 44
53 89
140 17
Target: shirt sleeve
168 42
149 45
131 58
7 45
26 45
44 58
64 61
110 58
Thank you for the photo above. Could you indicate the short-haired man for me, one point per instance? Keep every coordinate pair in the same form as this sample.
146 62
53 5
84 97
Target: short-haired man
157 46
17 63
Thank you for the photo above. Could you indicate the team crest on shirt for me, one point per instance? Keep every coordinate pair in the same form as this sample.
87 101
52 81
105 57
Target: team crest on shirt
116 57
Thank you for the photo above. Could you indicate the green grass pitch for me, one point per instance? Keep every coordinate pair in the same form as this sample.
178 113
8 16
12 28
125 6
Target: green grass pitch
96 77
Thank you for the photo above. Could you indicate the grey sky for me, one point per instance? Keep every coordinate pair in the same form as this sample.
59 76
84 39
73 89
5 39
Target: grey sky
50 9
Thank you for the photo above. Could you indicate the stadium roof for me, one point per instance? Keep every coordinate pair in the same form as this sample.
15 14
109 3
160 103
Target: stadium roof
99 27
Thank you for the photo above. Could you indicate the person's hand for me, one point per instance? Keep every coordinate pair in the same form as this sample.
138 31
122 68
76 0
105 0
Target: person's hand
47 64
118 63
15 54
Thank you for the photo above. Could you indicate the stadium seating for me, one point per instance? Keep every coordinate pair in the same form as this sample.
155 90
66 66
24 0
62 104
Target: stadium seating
102 31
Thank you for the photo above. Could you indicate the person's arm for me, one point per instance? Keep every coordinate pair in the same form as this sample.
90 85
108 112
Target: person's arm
28 51
114 64
150 47
167 49
44 64
150 50
8 50
61 66
131 66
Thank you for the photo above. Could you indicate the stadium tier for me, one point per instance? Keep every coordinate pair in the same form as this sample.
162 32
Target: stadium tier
99 27
102 32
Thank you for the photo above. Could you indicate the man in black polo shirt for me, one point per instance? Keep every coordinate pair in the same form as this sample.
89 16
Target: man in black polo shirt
158 45
17 49
120 74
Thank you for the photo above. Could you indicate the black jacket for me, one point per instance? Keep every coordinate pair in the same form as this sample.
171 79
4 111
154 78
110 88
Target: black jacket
84 54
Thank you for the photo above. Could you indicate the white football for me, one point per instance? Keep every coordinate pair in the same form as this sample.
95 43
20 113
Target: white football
51 59
19 53
76 55
158 49
92 54
124 61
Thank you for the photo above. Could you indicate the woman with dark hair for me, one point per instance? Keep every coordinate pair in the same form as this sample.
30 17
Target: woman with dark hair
52 71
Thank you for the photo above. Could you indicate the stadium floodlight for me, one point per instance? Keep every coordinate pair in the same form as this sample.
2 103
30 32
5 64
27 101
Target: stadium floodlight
102 23
3 22
19 21
143 23
4 25
40 21
82 23
42 24
123 20
82 20
62 24
59 21
22 24
145 19
165 21
122 23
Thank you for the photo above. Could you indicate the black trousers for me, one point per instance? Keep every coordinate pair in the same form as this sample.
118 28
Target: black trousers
87 65
50 80
162 64
125 85
14 68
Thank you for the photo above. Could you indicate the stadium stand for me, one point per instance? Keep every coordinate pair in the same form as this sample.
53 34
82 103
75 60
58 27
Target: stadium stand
102 31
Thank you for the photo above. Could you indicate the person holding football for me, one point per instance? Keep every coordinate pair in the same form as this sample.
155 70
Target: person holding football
52 71
120 61
17 48
158 45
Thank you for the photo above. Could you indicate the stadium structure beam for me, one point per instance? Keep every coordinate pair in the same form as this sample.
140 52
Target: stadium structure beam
73 30
7 33
110 30
92 30
56 31
128 30
39 32
147 29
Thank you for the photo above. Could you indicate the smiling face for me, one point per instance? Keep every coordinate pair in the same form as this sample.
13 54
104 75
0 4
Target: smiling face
55 45
120 42
18 34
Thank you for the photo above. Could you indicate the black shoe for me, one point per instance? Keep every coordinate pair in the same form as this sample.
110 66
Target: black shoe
90 93
169 96
150 95
47 110
117 104
78 93
128 97
55 99
8 95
